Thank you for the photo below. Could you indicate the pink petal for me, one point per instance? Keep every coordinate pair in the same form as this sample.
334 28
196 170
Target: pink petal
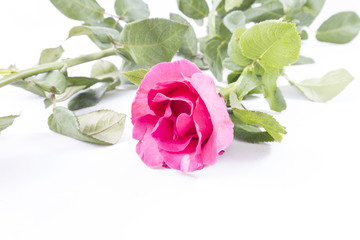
162 72
185 124
222 134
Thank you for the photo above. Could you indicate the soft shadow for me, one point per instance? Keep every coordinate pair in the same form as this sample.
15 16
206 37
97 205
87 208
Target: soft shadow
245 152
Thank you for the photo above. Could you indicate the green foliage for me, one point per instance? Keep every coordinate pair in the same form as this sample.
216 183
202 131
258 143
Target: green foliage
135 76
230 4
104 70
339 28
83 10
54 81
263 120
196 9
131 10
267 11
51 55
7 121
325 88
234 51
101 127
158 42
272 44
303 60
89 97
189 47
215 53
234 20
30 86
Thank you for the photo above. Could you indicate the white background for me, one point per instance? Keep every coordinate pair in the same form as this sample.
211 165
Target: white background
54 187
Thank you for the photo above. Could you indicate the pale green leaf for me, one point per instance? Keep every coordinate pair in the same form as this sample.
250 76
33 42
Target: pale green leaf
246 83
54 81
131 10
158 42
103 125
234 49
271 92
273 44
7 121
339 28
229 64
267 11
196 9
135 76
69 92
264 120
292 6
230 4
306 15
215 54
83 10
234 20
325 88
30 86
189 47
51 55
104 70
303 60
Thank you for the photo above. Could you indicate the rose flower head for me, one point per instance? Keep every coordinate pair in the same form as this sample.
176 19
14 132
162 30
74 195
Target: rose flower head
179 119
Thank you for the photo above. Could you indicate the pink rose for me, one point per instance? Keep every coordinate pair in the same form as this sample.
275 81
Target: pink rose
179 119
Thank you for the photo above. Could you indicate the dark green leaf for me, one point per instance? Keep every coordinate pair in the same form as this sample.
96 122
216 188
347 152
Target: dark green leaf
249 133
135 76
88 98
131 10
339 28
189 47
101 127
261 119
83 10
7 121
51 55
85 81
158 42
196 9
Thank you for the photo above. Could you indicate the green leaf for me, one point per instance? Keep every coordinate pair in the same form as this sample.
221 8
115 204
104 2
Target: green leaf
234 51
131 10
109 23
69 92
246 83
51 55
136 76
234 20
303 60
30 86
273 44
230 4
269 10
306 15
196 9
103 127
88 98
104 70
339 28
233 77
215 53
271 92
7 121
82 10
229 64
325 88
249 133
292 6
261 119
103 37
158 42
189 47
54 81
85 81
